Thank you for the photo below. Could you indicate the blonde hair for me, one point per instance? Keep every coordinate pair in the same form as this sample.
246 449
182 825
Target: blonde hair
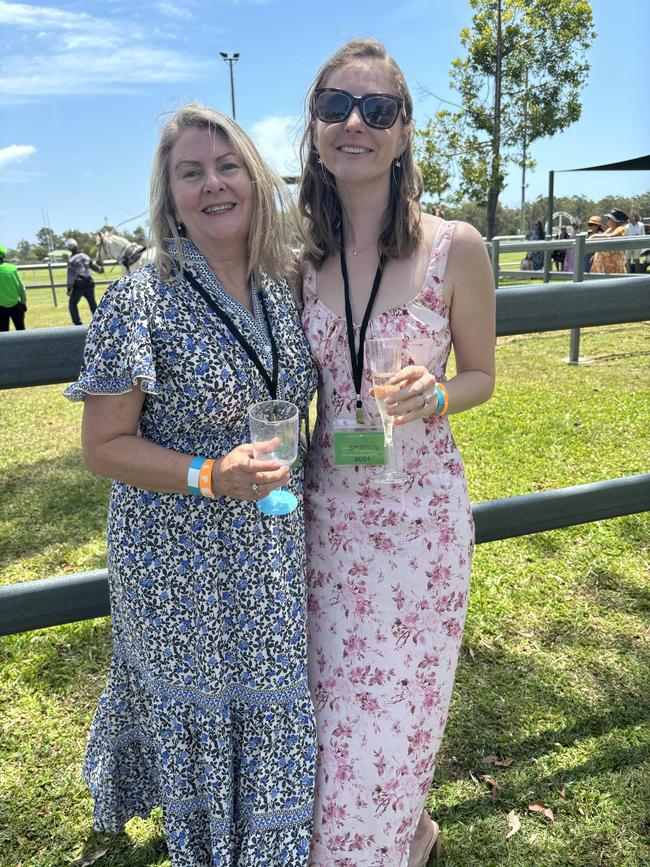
268 251
319 202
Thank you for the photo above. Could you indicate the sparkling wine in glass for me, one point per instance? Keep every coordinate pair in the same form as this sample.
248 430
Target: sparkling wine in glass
273 428
385 358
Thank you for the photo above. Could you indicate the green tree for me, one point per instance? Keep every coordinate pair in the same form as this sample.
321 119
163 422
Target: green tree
521 79
139 236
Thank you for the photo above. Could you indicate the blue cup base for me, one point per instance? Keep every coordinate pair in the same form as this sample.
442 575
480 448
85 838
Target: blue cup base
278 503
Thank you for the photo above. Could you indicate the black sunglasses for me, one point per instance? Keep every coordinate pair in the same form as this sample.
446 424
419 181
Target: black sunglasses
378 110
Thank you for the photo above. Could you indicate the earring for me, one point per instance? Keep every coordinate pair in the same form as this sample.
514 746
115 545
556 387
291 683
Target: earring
398 163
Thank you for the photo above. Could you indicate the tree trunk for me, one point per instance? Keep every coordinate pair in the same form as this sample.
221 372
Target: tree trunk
495 169
491 216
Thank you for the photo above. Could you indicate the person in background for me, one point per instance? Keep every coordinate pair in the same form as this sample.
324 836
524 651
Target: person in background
594 227
538 234
611 261
634 229
387 566
569 254
207 711
558 256
13 298
80 281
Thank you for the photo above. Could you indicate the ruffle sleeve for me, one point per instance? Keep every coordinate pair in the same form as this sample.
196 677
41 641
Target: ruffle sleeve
119 351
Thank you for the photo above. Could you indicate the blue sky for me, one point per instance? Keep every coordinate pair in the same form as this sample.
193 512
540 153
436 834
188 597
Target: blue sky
83 85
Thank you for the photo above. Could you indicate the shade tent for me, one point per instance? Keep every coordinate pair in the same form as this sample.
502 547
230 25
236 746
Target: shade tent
636 164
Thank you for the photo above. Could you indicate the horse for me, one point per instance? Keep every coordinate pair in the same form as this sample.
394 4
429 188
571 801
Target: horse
126 253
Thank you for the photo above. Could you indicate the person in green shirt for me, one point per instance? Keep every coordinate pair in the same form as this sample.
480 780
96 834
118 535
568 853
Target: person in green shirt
13 299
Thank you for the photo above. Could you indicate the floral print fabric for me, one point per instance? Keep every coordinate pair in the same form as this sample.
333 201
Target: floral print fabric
609 261
207 710
388 581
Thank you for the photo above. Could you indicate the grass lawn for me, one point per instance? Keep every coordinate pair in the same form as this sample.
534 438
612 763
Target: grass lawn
41 312
554 672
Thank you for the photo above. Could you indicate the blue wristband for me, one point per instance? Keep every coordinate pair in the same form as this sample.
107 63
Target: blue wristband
193 476
441 401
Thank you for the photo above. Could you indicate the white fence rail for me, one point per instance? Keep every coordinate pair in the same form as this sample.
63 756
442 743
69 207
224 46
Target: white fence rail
52 284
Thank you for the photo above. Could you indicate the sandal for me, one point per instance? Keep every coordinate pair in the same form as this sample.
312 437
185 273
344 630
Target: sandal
432 850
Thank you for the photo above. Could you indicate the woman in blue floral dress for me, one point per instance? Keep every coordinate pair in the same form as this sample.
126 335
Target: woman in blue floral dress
207 711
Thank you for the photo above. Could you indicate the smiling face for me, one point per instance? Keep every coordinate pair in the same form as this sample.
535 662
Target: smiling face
211 190
352 151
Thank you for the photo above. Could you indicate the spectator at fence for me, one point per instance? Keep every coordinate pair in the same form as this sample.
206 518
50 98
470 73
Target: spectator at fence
80 281
526 263
538 234
634 229
594 227
558 256
569 254
13 298
611 261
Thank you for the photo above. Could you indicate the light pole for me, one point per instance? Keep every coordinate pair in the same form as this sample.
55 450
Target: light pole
230 60
522 212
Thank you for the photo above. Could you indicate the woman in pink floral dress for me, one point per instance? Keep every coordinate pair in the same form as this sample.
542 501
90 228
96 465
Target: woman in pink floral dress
388 567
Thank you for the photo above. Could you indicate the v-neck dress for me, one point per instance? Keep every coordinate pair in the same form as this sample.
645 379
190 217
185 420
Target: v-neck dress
388 581
207 711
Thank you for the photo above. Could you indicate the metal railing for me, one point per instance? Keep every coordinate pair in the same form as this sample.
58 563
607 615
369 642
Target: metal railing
582 246
53 285
46 356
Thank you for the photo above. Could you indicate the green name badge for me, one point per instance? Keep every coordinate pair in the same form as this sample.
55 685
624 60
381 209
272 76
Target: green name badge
358 448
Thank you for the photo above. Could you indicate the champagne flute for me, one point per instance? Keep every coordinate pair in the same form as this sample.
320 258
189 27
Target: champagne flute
273 426
385 357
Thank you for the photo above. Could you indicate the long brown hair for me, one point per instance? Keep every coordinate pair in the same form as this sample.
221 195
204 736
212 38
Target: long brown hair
268 251
319 201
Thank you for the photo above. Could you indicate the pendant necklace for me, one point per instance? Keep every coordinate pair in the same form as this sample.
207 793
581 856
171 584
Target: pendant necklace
365 249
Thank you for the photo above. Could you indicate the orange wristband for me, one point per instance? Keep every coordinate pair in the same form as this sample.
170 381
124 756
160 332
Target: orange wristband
445 405
205 479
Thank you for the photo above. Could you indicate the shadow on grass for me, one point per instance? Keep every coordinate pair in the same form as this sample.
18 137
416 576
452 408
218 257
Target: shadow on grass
633 528
597 743
55 659
526 704
489 721
612 592
51 502
121 851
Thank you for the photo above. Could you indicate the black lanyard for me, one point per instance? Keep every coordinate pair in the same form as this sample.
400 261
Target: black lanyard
272 383
356 356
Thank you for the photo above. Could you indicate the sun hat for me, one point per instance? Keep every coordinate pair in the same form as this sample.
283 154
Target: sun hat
595 221
617 215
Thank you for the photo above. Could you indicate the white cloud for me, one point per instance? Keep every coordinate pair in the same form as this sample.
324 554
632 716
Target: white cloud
277 139
40 17
87 54
15 154
173 10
